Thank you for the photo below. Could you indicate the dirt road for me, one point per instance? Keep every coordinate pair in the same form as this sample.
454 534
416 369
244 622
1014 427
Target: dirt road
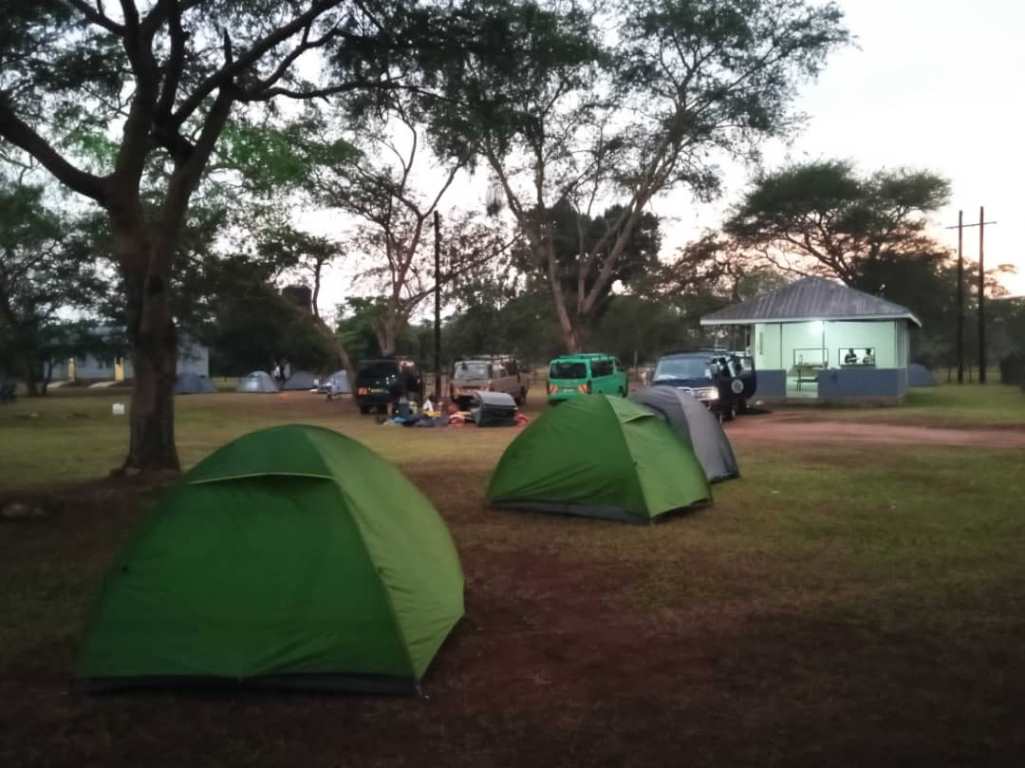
788 427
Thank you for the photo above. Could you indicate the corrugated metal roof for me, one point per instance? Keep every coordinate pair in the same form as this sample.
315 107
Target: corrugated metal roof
811 298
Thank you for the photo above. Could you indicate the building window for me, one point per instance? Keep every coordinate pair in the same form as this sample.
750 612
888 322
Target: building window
856 357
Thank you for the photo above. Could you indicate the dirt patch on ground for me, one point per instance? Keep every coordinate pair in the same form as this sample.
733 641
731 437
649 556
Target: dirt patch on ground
794 427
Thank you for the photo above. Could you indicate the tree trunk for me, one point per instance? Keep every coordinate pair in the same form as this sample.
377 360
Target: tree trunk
387 330
154 358
340 350
31 380
570 334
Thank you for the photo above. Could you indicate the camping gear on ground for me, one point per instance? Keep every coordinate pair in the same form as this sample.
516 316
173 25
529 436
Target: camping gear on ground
599 456
696 425
257 381
193 384
920 376
293 556
300 380
493 409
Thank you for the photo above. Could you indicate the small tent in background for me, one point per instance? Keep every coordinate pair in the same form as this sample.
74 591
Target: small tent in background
696 426
257 381
193 384
300 380
337 384
599 456
293 556
920 376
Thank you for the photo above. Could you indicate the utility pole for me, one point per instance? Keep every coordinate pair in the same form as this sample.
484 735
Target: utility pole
960 297
437 305
982 297
961 226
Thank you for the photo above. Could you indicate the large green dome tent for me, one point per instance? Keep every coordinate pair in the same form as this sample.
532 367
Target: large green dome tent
599 456
292 556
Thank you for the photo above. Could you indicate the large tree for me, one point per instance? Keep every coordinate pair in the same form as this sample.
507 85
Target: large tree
823 218
392 188
154 84
307 256
575 233
563 112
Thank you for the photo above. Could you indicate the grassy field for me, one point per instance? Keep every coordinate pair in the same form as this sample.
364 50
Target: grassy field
971 405
841 604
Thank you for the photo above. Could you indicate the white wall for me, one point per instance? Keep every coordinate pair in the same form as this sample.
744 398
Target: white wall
192 358
766 347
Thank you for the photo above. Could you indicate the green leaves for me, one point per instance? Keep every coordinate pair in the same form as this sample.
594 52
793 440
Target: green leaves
275 160
840 223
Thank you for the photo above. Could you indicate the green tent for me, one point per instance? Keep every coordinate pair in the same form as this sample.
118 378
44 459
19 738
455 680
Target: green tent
293 556
599 456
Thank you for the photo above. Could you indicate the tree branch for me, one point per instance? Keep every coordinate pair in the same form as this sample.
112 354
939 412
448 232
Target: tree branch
22 135
226 75
97 17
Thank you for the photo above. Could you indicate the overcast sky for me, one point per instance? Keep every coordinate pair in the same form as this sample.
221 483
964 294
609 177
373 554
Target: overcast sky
932 84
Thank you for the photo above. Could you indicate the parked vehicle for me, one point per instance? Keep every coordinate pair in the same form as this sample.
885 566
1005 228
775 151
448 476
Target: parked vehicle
383 381
585 374
723 381
488 373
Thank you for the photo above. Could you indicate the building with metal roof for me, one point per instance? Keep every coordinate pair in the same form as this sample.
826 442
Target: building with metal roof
817 338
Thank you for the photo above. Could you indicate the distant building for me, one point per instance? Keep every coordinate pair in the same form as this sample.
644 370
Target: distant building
193 357
819 339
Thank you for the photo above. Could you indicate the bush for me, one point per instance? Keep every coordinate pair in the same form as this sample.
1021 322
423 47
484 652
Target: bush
1012 369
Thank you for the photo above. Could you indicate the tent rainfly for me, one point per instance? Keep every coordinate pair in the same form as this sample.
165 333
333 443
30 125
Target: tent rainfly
300 380
257 381
696 426
293 557
193 384
599 456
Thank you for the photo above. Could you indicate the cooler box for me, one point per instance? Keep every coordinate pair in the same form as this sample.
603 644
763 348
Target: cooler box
493 409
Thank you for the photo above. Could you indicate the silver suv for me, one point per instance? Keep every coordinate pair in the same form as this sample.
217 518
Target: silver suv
488 373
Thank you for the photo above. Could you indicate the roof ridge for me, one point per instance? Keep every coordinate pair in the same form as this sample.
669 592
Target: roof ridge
808 298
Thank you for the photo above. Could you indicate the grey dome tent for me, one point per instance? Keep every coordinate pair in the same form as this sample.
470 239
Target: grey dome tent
257 381
301 380
696 425
920 376
337 384
193 384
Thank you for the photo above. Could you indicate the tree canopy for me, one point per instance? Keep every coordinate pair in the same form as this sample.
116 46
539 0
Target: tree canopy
126 105
823 218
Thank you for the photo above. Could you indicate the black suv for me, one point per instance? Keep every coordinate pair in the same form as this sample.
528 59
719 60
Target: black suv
382 382
724 381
